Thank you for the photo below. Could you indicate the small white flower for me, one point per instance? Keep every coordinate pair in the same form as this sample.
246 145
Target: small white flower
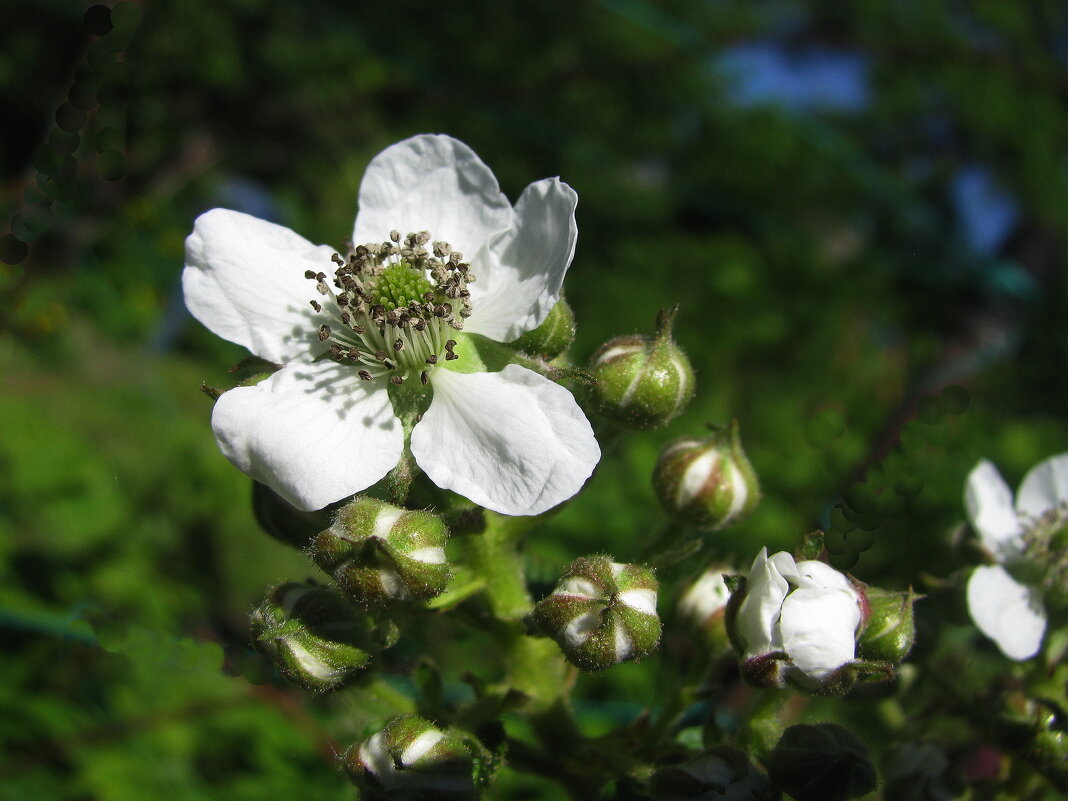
324 427
807 610
1005 610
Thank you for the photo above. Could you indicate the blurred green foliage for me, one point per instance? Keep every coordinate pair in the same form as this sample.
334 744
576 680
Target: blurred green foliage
825 287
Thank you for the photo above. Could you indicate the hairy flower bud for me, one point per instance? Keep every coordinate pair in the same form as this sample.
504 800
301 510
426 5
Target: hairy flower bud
890 630
640 381
717 774
378 553
412 760
317 639
821 762
601 613
553 336
707 482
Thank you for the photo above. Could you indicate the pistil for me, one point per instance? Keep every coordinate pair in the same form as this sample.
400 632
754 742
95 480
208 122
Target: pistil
394 305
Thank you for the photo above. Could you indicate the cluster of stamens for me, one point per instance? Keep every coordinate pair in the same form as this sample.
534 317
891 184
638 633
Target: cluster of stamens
1046 544
394 305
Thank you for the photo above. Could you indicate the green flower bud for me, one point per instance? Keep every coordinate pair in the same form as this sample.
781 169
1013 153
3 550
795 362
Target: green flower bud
412 760
601 613
317 640
640 381
890 630
553 336
707 483
378 553
821 762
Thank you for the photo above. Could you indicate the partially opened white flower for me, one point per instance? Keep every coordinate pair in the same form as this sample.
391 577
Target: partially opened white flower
806 610
390 315
1005 610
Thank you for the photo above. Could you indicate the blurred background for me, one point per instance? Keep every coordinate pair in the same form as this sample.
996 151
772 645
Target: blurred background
860 208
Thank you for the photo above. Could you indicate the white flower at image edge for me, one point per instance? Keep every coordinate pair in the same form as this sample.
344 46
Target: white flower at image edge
321 429
806 609
1007 611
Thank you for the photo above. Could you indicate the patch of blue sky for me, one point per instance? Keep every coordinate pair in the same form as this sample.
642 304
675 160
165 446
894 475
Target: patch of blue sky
811 78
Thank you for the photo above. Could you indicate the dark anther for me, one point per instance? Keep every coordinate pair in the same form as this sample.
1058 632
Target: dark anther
432 359
451 357
346 318
394 235
359 329
316 305
389 365
398 344
320 277
336 258
324 333
396 379
342 300
381 355
450 344
365 375
337 350
428 296
424 377
309 274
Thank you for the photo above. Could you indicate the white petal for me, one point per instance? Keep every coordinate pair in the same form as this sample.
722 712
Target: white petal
707 596
313 433
244 280
1044 487
818 629
432 183
988 501
1006 611
758 615
520 274
512 441
815 575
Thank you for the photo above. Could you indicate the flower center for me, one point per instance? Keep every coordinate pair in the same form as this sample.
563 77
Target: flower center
394 305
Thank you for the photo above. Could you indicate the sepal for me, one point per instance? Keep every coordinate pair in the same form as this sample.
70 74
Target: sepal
707 482
411 759
601 613
641 381
318 640
379 554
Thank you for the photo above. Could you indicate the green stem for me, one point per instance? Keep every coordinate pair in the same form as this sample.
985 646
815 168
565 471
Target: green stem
494 557
535 666
763 728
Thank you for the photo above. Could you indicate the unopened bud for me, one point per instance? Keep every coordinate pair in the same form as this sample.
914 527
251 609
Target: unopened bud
378 553
821 762
411 759
717 774
318 640
640 381
553 336
707 482
890 631
703 606
601 613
